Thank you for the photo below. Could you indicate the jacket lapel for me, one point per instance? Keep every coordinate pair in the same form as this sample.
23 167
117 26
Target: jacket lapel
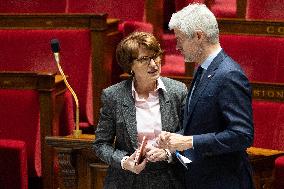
206 78
165 107
129 114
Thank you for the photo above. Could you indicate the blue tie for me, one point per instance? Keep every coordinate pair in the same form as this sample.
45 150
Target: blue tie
195 83
197 77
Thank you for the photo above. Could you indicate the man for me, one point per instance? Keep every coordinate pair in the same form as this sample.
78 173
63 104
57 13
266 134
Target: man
217 125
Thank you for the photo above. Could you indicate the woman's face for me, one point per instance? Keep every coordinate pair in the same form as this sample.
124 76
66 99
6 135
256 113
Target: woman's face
147 66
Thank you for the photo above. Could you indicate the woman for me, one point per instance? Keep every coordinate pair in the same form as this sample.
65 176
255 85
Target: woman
141 106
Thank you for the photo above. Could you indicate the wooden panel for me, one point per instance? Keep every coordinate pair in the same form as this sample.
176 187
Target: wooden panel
49 21
268 91
251 27
262 161
241 8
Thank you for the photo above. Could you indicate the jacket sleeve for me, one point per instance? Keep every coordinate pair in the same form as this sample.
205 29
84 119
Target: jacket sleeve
105 134
234 101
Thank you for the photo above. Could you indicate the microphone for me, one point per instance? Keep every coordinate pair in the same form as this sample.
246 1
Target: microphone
55 47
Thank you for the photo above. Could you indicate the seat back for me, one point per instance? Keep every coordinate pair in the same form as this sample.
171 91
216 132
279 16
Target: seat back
30 107
220 8
13 164
265 9
125 10
224 8
89 40
179 4
20 120
128 27
144 11
32 6
34 54
268 124
259 56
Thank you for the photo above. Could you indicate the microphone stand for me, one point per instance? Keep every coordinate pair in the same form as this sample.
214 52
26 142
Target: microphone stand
77 132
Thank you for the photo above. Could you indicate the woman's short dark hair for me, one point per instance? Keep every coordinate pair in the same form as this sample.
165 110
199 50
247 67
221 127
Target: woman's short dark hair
127 49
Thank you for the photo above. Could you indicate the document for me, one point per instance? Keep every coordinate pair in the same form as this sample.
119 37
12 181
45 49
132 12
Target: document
140 151
184 160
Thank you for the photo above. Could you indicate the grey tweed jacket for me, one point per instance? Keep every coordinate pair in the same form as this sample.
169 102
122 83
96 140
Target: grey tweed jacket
116 133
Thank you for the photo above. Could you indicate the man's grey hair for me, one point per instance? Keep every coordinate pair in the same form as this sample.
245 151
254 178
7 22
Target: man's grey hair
196 17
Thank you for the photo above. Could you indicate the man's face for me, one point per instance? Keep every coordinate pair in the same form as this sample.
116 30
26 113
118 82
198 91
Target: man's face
190 48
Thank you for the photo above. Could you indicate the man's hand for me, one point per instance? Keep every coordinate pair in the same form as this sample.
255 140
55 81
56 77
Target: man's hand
129 164
154 154
173 141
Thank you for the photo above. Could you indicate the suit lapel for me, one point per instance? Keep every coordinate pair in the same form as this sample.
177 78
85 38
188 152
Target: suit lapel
199 89
129 114
206 78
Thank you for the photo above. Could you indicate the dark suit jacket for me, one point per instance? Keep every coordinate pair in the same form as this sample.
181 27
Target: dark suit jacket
118 123
220 120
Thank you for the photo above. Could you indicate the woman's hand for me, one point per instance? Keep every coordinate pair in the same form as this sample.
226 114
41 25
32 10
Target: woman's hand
154 154
129 164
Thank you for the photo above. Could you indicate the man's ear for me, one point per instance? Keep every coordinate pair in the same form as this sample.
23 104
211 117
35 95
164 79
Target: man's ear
199 34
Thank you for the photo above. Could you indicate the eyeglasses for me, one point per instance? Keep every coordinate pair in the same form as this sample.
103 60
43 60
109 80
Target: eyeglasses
147 59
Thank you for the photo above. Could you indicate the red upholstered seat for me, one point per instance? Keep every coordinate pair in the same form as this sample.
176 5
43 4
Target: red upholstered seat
32 6
269 132
224 8
169 44
279 173
128 27
33 53
260 57
124 9
174 65
265 9
130 14
20 120
179 4
269 124
13 164
220 8
280 65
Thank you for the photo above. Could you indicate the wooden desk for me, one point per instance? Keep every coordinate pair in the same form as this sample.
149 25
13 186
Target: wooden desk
74 159
262 161
81 169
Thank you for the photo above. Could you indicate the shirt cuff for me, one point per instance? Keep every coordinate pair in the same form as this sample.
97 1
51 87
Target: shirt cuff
169 156
122 161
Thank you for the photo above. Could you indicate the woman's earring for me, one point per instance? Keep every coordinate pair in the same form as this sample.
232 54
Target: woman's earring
132 73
